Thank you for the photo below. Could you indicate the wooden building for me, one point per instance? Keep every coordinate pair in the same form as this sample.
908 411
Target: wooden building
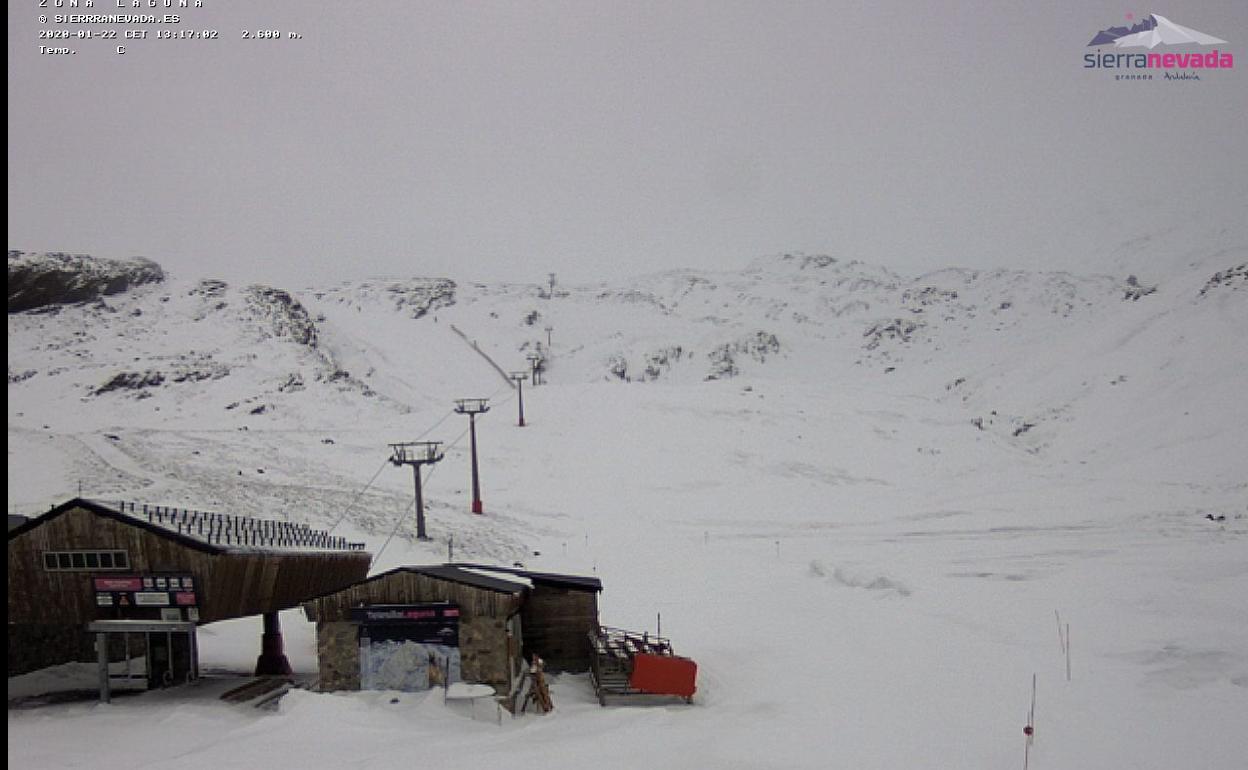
499 618
85 561
557 616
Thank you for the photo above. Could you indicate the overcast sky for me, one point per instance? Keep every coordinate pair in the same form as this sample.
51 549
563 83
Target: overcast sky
501 141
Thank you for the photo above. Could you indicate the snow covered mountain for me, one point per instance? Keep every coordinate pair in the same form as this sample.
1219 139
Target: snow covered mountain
897 479
1165 32
1153 31
1009 351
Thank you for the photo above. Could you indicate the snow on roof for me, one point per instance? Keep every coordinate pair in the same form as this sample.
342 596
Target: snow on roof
588 582
229 532
498 575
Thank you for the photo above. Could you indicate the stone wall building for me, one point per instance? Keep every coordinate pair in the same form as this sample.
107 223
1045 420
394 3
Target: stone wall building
383 632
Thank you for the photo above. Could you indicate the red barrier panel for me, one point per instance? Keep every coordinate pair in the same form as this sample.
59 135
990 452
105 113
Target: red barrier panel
664 675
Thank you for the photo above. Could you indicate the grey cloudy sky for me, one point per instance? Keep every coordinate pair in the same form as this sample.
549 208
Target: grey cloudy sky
503 140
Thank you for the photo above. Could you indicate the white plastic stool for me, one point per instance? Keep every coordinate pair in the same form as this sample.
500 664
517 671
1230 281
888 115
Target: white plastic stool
463 691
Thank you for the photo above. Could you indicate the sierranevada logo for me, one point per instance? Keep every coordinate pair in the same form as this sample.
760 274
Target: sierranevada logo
1189 64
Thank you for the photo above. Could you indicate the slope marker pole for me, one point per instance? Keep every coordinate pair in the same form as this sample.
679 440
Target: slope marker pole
1030 729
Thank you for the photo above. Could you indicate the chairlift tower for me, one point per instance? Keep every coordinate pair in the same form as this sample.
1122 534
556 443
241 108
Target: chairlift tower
416 454
535 364
519 378
473 407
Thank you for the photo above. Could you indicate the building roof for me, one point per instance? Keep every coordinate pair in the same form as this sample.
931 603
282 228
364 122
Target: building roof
506 580
213 533
107 512
576 582
458 574
232 584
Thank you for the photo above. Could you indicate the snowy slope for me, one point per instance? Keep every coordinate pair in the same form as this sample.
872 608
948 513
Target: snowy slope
856 498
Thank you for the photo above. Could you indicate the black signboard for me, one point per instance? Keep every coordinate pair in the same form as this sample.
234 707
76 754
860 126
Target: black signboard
125 593
423 623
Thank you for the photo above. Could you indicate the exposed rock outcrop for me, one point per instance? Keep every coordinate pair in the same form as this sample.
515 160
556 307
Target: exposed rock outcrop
42 280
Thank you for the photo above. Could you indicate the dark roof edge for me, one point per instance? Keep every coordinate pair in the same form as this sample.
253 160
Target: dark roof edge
110 513
426 570
549 578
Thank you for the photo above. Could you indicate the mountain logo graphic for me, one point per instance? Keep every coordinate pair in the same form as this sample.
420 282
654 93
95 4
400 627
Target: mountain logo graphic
1151 32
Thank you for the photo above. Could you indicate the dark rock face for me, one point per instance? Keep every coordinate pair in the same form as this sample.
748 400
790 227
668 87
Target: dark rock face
130 381
757 346
43 280
421 297
286 316
1230 279
898 329
1135 290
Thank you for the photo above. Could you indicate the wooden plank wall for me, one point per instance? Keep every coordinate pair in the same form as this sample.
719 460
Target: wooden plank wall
231 584
240 584
555 623
405 587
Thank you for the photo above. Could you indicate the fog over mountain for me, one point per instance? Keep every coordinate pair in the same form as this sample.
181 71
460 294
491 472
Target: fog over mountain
868 345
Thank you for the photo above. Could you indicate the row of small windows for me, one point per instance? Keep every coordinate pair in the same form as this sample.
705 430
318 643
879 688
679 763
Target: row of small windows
60 561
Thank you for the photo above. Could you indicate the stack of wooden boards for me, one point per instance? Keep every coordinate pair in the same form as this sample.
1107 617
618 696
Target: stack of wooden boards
534 690
262 692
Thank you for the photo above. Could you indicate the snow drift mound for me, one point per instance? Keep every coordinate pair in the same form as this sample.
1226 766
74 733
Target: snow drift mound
40 280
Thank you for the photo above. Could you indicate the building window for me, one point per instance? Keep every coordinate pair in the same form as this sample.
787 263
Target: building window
85 561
